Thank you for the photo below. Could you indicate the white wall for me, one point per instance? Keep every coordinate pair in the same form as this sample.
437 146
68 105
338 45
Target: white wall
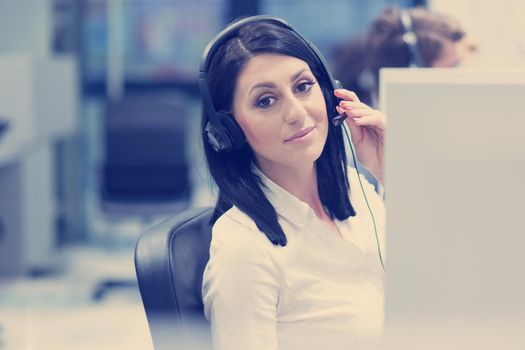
38 94
25 26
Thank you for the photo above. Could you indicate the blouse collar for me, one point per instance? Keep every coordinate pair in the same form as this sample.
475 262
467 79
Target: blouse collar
287 205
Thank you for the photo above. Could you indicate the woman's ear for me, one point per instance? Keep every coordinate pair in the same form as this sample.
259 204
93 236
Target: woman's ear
331 101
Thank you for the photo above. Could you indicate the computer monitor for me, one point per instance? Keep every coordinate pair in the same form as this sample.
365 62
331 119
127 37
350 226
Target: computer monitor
454 178
162 40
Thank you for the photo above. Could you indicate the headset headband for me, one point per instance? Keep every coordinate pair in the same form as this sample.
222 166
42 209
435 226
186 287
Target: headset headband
222 131
410 39
229 32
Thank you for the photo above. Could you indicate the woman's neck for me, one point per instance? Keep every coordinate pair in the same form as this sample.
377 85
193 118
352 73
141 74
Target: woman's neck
300 181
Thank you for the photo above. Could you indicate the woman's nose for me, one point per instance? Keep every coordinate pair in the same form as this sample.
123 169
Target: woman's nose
295 111
471 44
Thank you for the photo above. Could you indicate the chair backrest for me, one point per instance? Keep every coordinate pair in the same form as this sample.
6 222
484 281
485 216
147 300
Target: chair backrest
169 260
3 126
145 150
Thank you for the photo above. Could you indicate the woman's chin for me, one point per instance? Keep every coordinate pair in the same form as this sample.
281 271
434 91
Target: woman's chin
304 156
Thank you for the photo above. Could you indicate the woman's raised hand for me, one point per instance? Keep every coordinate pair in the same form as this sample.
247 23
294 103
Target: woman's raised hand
367 129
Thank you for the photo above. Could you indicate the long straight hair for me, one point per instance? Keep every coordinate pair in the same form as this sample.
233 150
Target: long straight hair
232 172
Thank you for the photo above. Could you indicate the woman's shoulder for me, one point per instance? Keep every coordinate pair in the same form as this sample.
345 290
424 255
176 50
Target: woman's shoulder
237 225
356 181
235 219
237 234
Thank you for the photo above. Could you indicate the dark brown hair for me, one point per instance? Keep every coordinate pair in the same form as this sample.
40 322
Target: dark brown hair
232 172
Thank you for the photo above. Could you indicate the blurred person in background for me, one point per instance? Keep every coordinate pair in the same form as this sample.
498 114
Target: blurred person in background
400 38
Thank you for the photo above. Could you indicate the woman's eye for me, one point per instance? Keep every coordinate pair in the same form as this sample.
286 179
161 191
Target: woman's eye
305 86
265 102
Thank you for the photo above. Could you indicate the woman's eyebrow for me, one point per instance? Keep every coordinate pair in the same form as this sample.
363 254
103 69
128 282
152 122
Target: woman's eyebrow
271 85
298 74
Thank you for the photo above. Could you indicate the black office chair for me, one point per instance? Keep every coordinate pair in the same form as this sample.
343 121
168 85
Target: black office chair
4 125
145 172
169 261
145 169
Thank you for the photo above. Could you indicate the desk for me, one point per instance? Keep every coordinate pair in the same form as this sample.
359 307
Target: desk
93 327
498 333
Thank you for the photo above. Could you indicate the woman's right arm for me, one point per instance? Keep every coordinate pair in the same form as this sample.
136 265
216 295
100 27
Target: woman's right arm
240 291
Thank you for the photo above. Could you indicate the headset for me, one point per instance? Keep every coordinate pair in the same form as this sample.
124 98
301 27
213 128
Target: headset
366 79
222 131
410 39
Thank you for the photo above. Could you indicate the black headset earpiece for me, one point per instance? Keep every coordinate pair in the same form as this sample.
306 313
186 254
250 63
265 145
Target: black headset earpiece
219 133
224 133
410 39
222 130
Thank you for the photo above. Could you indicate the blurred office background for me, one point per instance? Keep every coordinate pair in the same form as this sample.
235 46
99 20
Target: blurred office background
99 118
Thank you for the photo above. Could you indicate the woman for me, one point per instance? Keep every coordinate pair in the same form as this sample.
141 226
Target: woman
294 260
436 40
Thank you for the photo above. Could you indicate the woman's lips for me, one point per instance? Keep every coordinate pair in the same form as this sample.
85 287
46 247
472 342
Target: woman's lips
301 133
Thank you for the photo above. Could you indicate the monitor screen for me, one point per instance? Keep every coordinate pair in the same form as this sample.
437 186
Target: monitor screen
328 22
162 40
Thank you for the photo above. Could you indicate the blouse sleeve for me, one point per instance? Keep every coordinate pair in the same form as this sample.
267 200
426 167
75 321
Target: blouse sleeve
240 289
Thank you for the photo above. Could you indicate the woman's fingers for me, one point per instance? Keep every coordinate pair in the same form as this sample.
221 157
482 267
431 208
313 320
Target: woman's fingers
355 131
357 112
354 112
355 109
362 112
350 107
352 104
368 120
346 95
340 110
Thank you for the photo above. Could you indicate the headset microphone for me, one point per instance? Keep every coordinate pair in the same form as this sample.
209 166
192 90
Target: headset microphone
338 119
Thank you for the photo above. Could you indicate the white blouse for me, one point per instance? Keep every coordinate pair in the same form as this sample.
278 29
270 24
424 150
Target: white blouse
320 291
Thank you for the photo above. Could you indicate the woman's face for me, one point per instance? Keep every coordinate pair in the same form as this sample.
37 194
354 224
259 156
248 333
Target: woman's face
456 53
280 107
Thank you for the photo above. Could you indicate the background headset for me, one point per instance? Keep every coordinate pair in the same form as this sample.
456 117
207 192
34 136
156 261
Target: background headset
367 80
222 131
410 39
